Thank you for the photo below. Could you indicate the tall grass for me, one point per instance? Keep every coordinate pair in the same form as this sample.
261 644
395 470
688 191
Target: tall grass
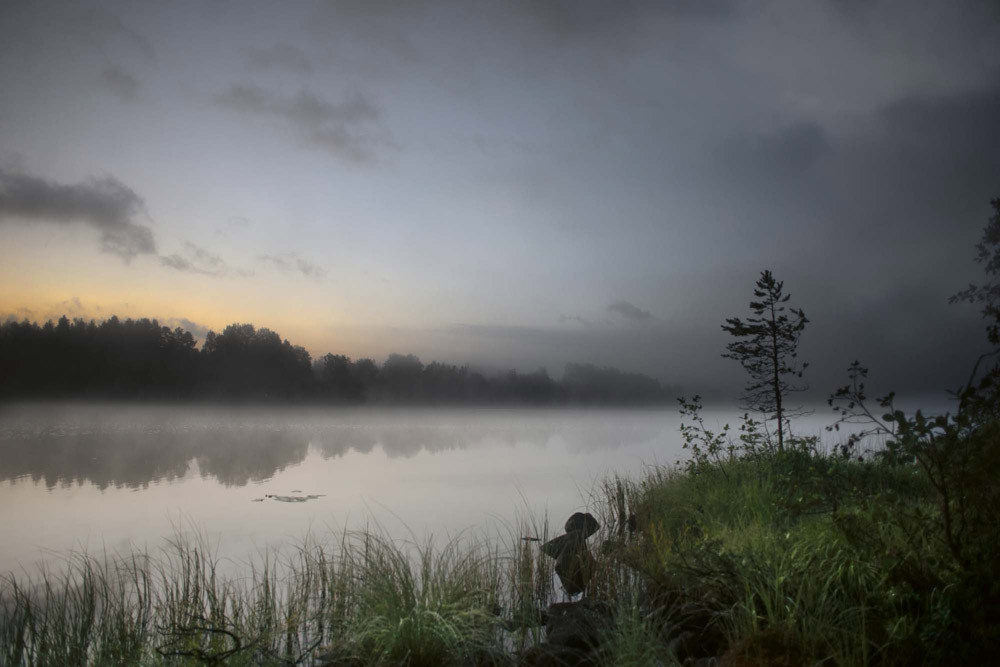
794 558
364 599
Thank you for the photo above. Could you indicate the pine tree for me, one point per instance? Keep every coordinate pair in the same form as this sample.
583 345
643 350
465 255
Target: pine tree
766 348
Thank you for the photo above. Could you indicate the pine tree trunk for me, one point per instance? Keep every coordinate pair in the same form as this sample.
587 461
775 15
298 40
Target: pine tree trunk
776 380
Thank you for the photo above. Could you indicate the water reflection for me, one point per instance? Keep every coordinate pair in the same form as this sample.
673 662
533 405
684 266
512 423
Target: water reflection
132 447
135 458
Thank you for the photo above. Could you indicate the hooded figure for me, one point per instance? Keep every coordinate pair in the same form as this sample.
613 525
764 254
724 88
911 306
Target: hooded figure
574 562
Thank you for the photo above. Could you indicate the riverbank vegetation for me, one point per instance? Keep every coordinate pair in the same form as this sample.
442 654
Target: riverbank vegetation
800 557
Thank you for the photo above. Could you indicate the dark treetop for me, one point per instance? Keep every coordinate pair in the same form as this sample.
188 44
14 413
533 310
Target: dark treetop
141 359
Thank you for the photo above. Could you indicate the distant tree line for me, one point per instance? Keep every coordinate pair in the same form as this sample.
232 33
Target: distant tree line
142 359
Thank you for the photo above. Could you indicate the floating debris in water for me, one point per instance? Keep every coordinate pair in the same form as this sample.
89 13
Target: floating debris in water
256 500
294 499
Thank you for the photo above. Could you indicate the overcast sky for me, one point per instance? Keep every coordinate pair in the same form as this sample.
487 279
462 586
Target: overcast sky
510 184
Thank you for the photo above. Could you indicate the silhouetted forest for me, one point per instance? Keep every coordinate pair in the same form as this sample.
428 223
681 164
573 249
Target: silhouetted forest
142 360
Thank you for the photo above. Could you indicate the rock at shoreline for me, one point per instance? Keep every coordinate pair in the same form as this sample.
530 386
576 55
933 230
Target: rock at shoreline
574 562
573 632
585 523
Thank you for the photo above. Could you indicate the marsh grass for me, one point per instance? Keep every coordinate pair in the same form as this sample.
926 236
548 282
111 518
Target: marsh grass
418 605
801 558
636 638
793 558
363 598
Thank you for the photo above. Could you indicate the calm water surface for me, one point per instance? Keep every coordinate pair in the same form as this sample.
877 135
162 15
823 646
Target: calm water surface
112 477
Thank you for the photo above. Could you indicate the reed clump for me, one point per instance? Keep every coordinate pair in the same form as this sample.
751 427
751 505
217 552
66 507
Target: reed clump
365 599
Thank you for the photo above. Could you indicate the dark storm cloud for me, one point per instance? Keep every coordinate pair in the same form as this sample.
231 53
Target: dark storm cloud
105 204
280 56
116 81
911 189
349 129
952 137
630 311
292 263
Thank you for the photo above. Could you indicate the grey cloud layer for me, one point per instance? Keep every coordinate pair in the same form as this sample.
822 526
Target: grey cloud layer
292 263
582 321
725 141
630 311
105 29
196 260
558 155
116 81
348 129
105 204
776 156
280 56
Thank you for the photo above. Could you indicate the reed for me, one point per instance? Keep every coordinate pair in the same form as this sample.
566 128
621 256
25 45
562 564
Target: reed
365 598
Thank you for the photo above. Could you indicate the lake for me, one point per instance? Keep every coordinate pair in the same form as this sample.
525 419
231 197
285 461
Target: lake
113 477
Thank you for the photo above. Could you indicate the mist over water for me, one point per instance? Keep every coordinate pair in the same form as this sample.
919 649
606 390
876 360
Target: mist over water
108 476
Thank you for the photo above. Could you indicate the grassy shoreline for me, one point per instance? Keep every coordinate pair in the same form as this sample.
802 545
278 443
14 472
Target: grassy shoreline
791 558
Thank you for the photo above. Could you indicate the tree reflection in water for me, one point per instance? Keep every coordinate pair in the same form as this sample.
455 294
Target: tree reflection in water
132 447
